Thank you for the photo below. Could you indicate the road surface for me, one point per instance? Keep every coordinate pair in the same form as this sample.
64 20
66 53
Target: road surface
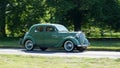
62 53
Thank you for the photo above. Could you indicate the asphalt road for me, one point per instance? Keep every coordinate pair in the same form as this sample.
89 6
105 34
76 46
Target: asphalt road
62 53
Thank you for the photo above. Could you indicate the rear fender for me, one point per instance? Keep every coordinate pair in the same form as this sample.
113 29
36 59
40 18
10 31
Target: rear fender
28 38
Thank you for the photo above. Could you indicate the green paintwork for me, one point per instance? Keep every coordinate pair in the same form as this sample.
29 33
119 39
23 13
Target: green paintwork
55 38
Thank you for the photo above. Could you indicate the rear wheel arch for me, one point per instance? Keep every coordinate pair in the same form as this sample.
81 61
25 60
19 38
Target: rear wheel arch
29 39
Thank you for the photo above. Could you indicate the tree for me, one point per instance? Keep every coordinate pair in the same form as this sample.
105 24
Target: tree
99 13
70 11
22 14
106 14
3 4
16 16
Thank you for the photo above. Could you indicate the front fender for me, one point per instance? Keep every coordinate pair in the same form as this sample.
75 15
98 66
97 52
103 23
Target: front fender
73 39
28 38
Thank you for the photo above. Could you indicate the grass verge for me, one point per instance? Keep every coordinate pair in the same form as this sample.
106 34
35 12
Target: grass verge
9 43
19 61
106 45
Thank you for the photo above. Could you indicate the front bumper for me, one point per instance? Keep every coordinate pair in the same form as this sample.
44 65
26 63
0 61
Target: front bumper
83 43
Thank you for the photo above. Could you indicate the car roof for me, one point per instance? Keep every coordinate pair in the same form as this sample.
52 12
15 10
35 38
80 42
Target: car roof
47 24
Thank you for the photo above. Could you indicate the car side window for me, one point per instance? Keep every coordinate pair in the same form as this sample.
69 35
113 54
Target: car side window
40 29
50 29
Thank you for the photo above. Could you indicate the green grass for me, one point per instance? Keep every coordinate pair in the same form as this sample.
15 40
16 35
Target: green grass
9 43
111 45
20 61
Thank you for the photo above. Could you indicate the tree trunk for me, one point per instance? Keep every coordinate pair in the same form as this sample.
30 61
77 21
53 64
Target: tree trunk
77 16
77 19
3 4
77 23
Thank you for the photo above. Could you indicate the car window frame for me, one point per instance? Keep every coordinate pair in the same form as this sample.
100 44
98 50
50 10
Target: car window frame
55 30
37 28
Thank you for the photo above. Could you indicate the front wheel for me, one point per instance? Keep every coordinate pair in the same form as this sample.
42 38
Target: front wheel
69 46
29 45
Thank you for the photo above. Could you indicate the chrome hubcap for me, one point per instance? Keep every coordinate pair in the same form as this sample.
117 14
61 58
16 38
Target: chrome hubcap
29 45
69 46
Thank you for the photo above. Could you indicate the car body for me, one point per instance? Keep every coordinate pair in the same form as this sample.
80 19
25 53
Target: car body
54 35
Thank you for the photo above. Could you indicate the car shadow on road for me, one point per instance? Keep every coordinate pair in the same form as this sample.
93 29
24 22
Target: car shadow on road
49 51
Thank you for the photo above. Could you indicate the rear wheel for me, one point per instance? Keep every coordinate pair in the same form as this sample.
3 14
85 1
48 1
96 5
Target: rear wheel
81 49
29 45
69 46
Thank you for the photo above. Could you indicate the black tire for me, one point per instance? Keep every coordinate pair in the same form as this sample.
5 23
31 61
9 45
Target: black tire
81 49
69 46
29 45
43 48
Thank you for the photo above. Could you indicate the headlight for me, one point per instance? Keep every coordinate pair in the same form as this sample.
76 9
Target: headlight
80 35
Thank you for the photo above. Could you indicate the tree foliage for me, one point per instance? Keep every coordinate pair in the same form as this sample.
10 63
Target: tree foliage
106 13
21 14
100 13
16 16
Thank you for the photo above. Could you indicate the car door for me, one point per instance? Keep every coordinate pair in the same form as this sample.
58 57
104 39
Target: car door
51 37
39 35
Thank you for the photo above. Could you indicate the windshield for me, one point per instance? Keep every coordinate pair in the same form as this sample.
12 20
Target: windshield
61 28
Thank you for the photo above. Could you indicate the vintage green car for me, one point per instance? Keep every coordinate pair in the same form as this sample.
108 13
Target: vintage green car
54 35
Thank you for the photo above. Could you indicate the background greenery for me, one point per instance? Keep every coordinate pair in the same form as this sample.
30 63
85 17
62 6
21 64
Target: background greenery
91 16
